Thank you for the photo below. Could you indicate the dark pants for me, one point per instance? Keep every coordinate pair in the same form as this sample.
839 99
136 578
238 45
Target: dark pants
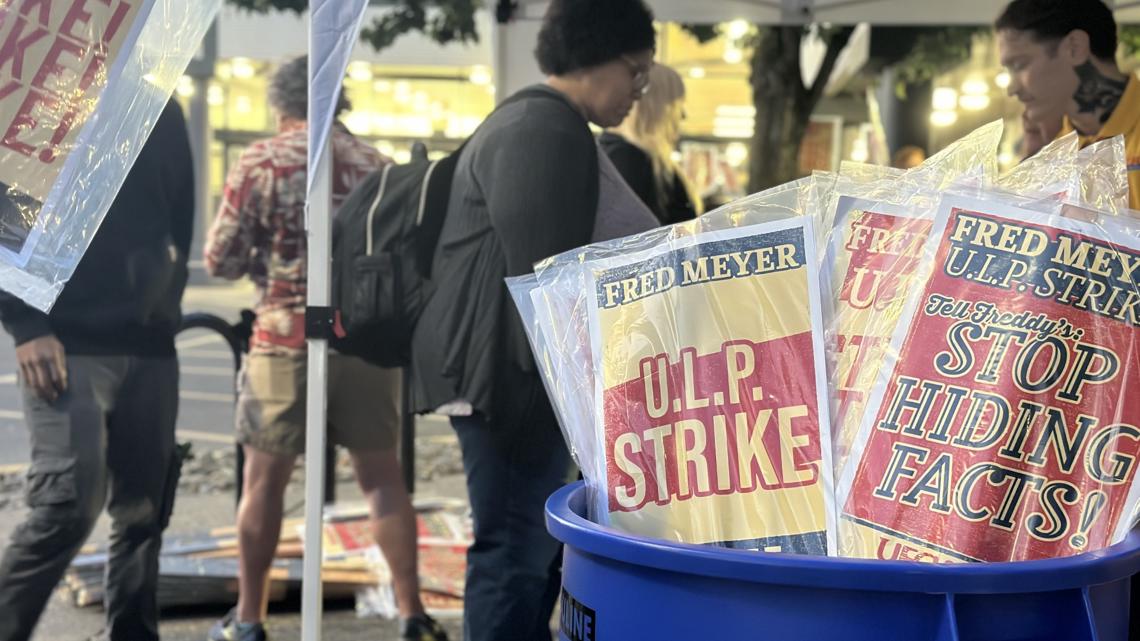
514 567
109 440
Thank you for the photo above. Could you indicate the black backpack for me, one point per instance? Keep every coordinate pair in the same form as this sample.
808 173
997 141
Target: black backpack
383 242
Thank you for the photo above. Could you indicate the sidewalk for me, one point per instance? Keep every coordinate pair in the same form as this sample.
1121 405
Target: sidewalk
65 622
206 419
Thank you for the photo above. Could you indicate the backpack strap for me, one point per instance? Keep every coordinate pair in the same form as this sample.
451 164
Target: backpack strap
375 206
424 192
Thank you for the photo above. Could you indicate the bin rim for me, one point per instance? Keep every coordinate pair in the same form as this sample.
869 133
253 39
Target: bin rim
565 521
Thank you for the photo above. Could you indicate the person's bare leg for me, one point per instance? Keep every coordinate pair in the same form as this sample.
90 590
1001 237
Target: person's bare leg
393 523
259 527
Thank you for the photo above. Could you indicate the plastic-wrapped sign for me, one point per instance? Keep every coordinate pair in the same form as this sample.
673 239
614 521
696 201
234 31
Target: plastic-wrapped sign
81 84
712 404
1004 424
874 256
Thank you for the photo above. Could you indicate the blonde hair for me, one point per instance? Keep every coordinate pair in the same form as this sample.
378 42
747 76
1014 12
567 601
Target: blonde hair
654 125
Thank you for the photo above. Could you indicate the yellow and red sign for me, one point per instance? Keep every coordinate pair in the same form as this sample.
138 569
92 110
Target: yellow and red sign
1004 424
711 392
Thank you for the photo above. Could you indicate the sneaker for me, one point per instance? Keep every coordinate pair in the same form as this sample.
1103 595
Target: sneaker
228 628
422 628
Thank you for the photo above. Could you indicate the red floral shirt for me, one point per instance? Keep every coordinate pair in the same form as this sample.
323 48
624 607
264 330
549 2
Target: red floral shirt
260 227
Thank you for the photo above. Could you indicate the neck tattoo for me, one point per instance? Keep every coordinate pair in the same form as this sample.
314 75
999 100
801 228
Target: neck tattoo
1097 94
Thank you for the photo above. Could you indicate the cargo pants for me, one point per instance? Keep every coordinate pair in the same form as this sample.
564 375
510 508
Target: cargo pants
107 441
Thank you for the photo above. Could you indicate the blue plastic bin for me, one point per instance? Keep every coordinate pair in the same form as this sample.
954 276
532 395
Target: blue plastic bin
617 587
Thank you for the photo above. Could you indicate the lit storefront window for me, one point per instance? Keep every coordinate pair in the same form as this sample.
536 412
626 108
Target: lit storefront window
392 108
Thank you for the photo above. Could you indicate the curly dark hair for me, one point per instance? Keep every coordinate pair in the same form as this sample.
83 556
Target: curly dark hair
579 34
289 90
1050 20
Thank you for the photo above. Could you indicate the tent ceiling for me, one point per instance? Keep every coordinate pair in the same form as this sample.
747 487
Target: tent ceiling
885 12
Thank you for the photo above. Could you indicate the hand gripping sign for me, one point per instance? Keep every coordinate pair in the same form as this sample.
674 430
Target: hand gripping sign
711 399
1004 423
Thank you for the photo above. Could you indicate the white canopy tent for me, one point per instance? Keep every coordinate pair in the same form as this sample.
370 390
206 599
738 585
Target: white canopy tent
333 30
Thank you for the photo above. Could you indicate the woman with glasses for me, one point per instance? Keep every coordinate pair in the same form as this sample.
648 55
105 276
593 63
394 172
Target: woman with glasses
642 149
531 182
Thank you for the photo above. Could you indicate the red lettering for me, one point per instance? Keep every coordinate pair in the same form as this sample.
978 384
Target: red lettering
76 16
95 71
51 65
24 121
14 47
882 553
47 156
903 552
9 89
45 10
116 22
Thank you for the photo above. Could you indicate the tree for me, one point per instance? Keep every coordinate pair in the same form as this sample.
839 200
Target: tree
451 21
784 105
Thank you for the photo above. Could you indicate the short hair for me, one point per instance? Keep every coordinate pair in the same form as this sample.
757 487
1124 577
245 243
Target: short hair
905 153
579 34
1050 20
289 90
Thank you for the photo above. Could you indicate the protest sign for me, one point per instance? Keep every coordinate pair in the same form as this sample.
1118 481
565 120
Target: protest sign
1003 424
711 399
872 259
55 59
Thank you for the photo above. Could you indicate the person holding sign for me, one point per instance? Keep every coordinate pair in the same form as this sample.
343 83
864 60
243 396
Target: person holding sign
99 377
1061 57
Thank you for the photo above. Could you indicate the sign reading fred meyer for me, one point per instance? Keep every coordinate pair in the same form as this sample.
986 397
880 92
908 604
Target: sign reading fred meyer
1005 423
710 390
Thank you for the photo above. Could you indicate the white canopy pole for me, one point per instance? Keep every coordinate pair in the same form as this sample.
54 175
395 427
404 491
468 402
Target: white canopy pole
334 26
319 206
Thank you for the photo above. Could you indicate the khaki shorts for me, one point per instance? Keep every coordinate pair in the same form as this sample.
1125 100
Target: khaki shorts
363 404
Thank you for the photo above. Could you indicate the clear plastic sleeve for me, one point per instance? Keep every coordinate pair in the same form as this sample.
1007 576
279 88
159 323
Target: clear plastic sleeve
698 373
874 253
876 231
1104 176
1002 423
76 109
687 364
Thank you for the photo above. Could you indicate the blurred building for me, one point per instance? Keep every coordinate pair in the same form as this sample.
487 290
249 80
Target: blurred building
419 91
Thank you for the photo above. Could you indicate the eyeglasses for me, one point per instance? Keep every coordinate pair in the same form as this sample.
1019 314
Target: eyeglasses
640 74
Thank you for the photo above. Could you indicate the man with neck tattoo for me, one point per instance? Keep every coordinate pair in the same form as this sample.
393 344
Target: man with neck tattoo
1061 58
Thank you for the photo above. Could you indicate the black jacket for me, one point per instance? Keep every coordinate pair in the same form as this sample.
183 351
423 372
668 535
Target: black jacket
669 202
525 188
125 295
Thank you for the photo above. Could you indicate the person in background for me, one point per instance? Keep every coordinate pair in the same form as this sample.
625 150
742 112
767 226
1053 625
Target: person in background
642 149
531 182
1061 58
260 232
99 379
908 157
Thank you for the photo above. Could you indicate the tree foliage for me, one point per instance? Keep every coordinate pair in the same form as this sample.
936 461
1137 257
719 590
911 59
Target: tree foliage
1130 39
444 21
935 51
783 103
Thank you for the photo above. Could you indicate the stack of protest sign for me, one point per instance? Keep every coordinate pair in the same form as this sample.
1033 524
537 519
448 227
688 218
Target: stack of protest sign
926 365
201 568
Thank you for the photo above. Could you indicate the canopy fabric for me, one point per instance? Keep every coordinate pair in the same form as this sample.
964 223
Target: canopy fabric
876 12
